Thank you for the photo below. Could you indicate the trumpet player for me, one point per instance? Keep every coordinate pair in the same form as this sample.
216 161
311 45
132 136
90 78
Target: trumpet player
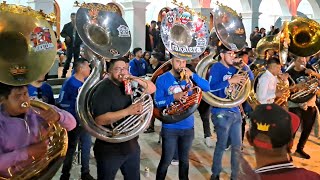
20 127
227 121
267 83
112 103
171 88
306 107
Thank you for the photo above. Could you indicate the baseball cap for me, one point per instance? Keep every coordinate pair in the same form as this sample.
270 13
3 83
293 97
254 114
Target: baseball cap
274 122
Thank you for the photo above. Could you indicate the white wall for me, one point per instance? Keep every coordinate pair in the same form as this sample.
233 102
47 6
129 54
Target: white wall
271 11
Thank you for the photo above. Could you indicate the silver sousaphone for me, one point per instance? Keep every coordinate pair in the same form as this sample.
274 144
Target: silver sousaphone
106 36
185 35
229 30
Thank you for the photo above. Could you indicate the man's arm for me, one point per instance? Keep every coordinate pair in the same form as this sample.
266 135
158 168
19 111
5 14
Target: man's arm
10 159
160 98
202 83
66 119
146 84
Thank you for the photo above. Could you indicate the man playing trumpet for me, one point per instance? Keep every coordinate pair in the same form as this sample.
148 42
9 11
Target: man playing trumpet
267 83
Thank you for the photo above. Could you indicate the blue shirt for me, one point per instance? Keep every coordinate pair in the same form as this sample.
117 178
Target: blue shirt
44 93
68 95
138 67
218 79
167 85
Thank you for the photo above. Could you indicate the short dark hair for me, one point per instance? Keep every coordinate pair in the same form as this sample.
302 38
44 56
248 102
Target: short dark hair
153 22
159 56
6 89
135 50
256 27
78 63
113 61
73 14
273 60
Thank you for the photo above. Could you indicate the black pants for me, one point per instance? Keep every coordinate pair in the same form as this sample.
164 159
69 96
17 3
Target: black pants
307 119
108 164
72 52
244 122
204 111
74 136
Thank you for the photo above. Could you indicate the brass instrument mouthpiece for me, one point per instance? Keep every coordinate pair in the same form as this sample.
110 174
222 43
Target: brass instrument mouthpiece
25 105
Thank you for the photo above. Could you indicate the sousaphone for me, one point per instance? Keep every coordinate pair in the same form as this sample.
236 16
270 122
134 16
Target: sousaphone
28 50
228 30
185 35
106 36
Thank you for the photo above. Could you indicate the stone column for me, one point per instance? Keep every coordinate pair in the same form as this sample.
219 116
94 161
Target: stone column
135 17
46 5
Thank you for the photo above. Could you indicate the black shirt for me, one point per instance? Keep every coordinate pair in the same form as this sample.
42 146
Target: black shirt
300 77
109 97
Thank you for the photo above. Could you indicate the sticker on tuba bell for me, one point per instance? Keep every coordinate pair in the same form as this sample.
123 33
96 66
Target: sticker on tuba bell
184 34
41 39
123 31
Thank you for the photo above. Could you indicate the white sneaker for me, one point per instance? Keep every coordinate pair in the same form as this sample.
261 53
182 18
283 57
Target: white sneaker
208 141
175 162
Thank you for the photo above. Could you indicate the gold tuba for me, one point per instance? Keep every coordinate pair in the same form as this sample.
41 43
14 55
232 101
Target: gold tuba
228 30
106 35
28 51
185 35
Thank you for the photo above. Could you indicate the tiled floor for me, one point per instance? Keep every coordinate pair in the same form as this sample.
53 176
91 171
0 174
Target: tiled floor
200 157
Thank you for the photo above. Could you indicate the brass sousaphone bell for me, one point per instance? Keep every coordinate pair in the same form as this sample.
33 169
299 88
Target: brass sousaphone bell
228 30
185 35
27 52
106 36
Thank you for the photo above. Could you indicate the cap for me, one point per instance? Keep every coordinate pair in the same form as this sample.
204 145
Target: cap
274 122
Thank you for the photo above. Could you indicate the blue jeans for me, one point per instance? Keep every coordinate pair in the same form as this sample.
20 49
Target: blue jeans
109 164
79 133
228 126
170 139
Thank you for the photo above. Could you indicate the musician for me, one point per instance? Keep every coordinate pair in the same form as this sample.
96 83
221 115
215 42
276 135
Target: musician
138 66
110 104
267 83
20 140
306 109
270 134
67 101
181 134
227 121
73 42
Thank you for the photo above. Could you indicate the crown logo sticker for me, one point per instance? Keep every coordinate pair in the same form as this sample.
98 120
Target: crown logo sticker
201 42
263 127
123 31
